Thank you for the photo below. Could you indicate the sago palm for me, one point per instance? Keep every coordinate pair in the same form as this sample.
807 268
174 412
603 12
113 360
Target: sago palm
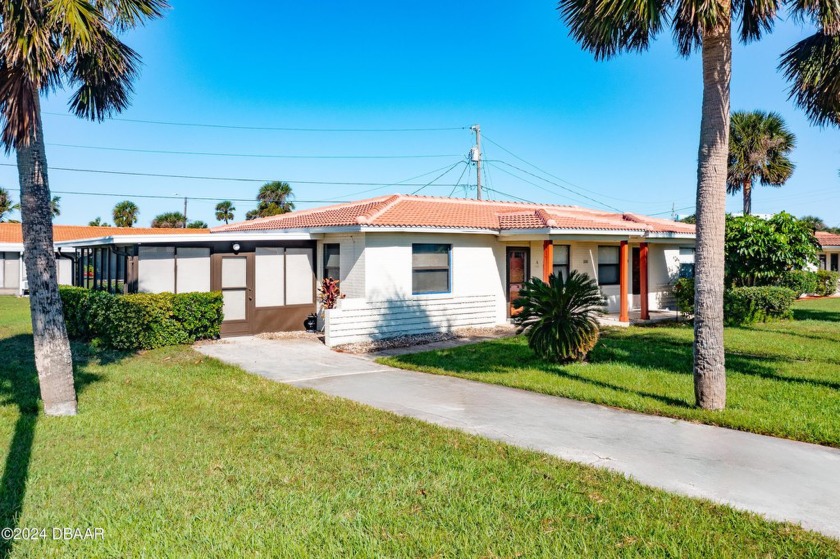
224 211
559 318
759 144
125 214
44 46
609 27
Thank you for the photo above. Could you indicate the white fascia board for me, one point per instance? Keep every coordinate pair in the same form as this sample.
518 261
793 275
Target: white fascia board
424 230
671 235
187 239
830 247
11 247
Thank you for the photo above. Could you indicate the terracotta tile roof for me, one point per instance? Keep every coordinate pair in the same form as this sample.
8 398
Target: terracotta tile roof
828 239
11 232
400 210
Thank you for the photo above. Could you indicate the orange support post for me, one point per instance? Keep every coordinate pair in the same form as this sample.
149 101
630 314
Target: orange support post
643 280
548 259
623 314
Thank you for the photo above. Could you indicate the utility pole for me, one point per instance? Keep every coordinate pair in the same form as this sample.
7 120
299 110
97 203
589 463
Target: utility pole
185 212
475 155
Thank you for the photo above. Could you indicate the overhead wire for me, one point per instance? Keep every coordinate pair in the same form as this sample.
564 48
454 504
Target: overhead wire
446 172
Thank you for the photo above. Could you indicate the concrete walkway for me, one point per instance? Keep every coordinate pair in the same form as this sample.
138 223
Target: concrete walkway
781 479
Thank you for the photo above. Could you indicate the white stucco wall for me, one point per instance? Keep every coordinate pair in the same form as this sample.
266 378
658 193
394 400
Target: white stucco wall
351 263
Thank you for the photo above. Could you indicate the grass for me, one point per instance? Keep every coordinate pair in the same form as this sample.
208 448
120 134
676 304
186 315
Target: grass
783 378
177 455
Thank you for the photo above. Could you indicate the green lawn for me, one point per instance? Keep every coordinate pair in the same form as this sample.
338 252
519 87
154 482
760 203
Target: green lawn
783 378
177 455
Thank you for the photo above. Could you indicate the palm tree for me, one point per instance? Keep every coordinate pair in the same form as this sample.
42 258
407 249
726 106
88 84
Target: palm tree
759 144
7 205
224 211
98 223
814 222
197 224
45 46
169 220
125 214
272 199
55 206
608 27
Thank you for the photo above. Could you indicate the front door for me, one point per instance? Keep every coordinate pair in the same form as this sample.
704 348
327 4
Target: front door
233 275
517 275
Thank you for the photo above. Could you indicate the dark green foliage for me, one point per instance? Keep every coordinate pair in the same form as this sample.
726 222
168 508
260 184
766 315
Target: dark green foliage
827 282
684 295
746 305
759 251
801 282
559 318
142 320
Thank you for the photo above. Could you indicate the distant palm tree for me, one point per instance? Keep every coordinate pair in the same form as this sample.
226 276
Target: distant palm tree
608 27
7 205
197 224
55 206
45 46
169 220
759 144
125 214
272 199
224 211
98 223
814 222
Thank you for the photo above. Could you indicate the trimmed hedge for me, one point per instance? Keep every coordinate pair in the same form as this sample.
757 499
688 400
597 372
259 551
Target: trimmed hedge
827 282
141 320
802 282
745 305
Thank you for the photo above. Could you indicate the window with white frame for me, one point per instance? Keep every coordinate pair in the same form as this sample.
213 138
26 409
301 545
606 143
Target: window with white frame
608 265
430 265
332 261
686 262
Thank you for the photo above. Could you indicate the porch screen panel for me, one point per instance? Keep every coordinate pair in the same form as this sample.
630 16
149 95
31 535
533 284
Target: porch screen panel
64 267
300 277
2 270
156 270
193 270
11 270
270 277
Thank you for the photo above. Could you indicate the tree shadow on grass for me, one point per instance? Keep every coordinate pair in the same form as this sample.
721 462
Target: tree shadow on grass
805 313
660 351
19 388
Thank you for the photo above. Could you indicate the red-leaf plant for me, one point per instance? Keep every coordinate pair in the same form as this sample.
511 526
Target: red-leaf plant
329 293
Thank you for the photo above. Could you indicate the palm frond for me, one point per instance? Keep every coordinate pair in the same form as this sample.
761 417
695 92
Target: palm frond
757 18
125 14
104 76
607 27
693 17
824 13
813 68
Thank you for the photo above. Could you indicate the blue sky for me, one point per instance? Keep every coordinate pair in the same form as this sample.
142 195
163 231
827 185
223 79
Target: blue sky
624 132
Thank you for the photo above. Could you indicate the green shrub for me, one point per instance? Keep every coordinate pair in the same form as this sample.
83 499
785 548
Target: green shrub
683 292
142 320
559 318
802 282
827 282
745 305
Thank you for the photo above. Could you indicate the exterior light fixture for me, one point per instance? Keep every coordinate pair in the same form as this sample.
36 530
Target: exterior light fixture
236 247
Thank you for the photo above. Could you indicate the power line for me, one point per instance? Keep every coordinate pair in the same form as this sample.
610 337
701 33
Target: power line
165 197
591 199
400 183
547 173
250 155
268 128
511 196
488 162
458 182
439 176
209 178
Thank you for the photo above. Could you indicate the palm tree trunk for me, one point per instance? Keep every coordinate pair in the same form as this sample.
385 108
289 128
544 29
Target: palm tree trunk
747 188
52 348
709 362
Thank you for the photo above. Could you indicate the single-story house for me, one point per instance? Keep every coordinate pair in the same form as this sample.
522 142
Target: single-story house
407 264
830 251
13 271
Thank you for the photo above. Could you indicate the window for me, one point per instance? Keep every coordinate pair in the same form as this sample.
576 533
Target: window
822 262
430 268
608 267
835 262
332 259
686 262
561 260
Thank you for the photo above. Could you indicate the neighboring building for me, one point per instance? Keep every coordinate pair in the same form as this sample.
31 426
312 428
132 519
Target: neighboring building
407 264
13 272
830 254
